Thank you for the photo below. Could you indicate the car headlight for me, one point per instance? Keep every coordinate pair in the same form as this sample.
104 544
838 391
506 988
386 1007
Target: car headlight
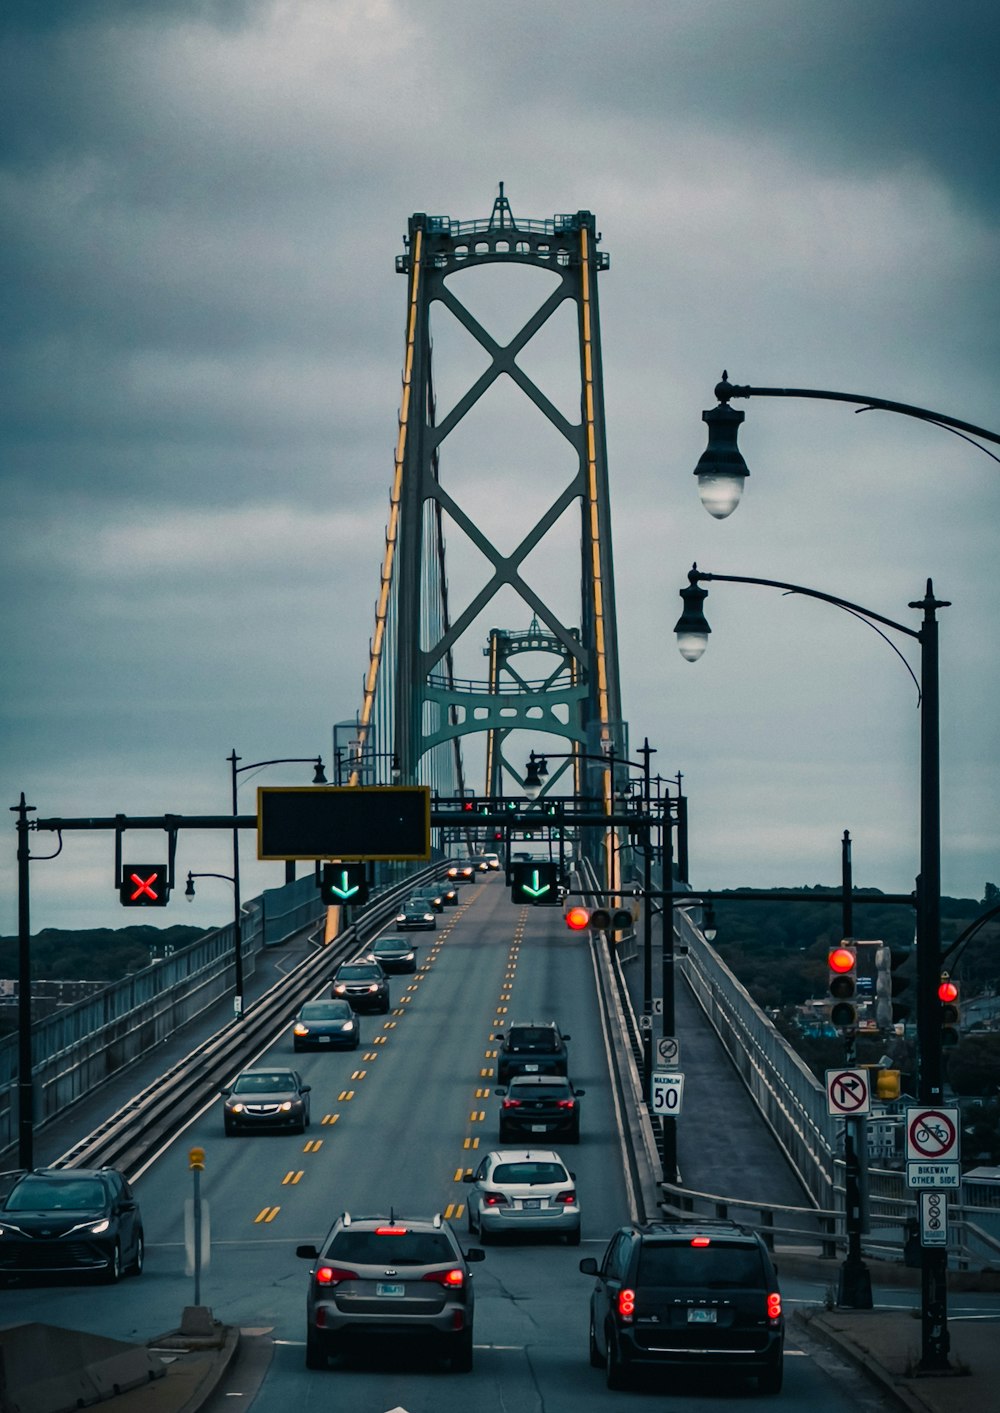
348 1025
286 1104
236 1108
340 988
374 986
98 1227
300 1029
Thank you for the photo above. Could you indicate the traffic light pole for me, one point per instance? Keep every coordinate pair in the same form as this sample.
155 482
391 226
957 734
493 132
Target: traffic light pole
855 1286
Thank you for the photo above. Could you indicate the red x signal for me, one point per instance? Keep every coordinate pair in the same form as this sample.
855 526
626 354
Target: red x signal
144 886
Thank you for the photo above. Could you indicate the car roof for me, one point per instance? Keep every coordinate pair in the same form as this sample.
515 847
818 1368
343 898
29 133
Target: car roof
526 1080
526 1155
720 1228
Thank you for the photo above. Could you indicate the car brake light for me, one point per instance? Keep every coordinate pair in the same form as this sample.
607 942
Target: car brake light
568 1196
626 1303
567 1103
511 1104
453 1279
495 1199
701 1241
390 1231
774 1306
333 1275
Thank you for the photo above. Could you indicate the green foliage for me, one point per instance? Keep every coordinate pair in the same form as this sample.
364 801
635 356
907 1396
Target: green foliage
98 954
974 1064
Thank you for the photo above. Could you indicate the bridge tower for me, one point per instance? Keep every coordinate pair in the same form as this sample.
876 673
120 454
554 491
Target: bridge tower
416 627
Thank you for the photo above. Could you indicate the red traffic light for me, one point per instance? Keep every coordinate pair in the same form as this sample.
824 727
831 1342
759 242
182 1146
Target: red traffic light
577 918
947 991
841 960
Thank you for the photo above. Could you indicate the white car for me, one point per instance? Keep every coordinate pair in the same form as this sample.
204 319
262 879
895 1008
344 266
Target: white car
493 860
522 1190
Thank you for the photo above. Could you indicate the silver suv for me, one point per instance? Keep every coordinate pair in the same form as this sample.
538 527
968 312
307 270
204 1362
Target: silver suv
383 1278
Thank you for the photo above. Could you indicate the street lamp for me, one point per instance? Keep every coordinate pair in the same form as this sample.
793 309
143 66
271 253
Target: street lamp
692 632
721 470
319 778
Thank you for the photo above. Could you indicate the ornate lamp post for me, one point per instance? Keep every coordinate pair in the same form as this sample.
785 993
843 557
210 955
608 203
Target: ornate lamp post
692 632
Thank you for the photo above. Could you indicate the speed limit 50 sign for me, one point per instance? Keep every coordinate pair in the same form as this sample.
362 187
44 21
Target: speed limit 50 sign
668 1091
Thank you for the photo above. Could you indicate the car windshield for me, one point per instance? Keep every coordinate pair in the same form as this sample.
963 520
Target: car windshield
40 1194
326 1010
539 1091
715 1265
360 972
261 1083
529 1173
536 1036
393 944
395 1248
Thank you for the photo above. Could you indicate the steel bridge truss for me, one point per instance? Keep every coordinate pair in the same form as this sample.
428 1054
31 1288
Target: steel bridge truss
430 709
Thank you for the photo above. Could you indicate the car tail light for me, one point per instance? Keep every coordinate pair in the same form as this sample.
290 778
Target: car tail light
701 1241
333 1275
495 1199
626 1304
567 1103
567 1197
390 1231
511 1104
453 1279
774 1307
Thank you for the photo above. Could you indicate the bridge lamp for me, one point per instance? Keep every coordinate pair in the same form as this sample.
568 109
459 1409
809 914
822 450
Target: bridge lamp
692 627
721 470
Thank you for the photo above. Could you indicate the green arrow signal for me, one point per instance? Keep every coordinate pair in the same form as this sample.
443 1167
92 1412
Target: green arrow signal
533 889
343 891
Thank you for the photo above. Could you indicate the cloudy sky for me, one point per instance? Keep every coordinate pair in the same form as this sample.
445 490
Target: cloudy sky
201 342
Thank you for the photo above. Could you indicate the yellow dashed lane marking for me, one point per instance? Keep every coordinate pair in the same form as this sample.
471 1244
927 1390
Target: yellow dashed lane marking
482 1093
380 1040
267 1214
477 1116
313 1146
329 1118
290 1179
471 1143
372 1055
487 1073
359 1074
345 1095
453 1211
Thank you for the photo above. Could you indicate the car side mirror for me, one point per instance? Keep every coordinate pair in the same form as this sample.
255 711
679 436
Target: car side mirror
499 1091
579 1093
225 1093
468 1177
308 1252
589 1266
475 1253
306 1088
567 1037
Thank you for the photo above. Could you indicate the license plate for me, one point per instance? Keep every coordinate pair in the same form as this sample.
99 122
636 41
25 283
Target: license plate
383 1288
701 1317
537 1128
324 1040
531 1069
531 1203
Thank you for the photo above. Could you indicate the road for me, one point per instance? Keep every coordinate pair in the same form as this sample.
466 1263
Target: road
396 1123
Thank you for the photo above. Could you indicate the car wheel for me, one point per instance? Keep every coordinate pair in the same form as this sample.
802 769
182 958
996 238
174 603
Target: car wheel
770 1380
502 1133
460 1352
113 1271
573 1136
614 1372
573 1237
139 1259
596 1362
485 1237
230 1129
316 1357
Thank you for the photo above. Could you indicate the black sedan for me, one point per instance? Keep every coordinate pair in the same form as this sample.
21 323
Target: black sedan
363 984
395 954
259 1099
58 1220
326 1025
534 1104
416 915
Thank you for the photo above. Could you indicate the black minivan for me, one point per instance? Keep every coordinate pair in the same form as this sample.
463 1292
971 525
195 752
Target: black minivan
686 1294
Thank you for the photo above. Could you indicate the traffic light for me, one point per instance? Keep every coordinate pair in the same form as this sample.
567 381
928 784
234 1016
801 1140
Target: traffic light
144 886
887 1085
600 919
535 883
843 986
889 985
949 1011
344 883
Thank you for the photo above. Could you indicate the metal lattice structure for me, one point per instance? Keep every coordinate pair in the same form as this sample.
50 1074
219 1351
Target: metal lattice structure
413 706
